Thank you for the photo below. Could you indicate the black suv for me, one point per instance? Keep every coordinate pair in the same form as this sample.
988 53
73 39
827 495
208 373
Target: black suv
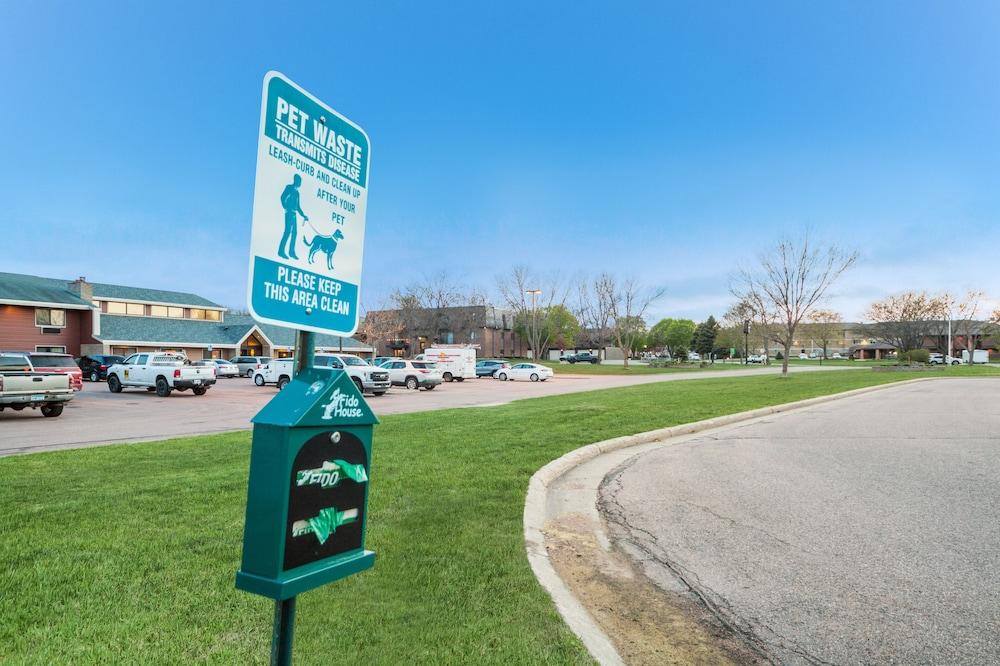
95 367
582 357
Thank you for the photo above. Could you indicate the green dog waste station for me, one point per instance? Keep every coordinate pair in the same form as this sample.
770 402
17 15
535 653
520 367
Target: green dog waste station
307 498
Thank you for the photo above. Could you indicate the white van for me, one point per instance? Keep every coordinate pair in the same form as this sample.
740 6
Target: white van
455 363
978 356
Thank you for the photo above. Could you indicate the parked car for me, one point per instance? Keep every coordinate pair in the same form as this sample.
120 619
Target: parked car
581 357
756 358
21 386
95 366
488 367
58 363
530 371
223 368
413 374
248 365
456 363
365 375
161 372
936 358
381 360
694 356
836 356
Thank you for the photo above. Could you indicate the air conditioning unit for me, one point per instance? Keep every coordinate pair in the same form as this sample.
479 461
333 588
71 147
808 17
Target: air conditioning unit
51 331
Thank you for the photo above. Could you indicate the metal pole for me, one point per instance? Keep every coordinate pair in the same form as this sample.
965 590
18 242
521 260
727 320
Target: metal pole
284 628
305 342
746 341
948 353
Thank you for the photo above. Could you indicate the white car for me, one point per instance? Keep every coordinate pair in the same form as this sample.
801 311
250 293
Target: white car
222 367
756 358
530 371
941 359
694 356
412 374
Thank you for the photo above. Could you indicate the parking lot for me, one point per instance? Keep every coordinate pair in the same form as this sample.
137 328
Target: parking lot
97 416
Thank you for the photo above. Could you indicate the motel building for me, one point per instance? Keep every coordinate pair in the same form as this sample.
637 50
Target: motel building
81 318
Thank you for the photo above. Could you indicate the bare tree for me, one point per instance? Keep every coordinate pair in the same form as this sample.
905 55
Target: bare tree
437 302
788 284
380 327
825 326
532 297
594 309
966 326
629 302
904 320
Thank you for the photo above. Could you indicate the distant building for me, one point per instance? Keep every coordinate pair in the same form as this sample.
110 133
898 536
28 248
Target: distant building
78 317
409 331
854 340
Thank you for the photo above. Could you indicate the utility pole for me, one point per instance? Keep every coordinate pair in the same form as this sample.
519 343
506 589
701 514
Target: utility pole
948 353
534 322
746 340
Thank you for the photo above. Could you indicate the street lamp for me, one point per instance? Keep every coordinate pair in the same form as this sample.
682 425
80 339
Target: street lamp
746 340
534 321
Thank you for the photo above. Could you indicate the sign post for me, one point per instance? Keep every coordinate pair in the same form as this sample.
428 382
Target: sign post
307 498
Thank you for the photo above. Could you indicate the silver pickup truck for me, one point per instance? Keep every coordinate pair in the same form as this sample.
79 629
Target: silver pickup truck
21 387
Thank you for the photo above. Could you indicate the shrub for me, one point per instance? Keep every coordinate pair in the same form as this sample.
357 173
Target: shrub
779 356
914 356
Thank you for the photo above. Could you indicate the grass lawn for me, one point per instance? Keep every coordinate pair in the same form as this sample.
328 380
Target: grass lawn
127 553
633 369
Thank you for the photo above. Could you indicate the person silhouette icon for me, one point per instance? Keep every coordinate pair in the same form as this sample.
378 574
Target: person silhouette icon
290 202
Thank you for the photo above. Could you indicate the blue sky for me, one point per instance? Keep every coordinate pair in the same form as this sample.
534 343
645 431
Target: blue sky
664 141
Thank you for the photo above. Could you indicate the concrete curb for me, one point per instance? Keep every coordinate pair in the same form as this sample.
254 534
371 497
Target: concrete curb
572 611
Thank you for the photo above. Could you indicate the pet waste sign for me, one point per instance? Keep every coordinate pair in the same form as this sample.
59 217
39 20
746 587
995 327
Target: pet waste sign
310 197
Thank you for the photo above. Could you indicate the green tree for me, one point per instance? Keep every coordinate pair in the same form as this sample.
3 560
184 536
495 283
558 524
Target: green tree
704 336
657 336
674 335
730 338
560 326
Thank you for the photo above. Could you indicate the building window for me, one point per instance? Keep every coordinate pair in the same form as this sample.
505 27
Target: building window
123 351
212 315
135 309
158 310
197 313
57 349
176 313
50 317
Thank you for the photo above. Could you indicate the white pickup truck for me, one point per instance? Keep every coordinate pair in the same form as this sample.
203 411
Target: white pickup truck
160 372
365 376
21 387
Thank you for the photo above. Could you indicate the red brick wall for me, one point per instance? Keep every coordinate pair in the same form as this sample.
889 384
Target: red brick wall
19 333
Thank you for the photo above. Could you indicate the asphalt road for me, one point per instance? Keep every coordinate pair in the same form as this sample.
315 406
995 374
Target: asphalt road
861 531
97 416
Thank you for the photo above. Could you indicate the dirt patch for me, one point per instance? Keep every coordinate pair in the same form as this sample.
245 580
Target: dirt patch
647 624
